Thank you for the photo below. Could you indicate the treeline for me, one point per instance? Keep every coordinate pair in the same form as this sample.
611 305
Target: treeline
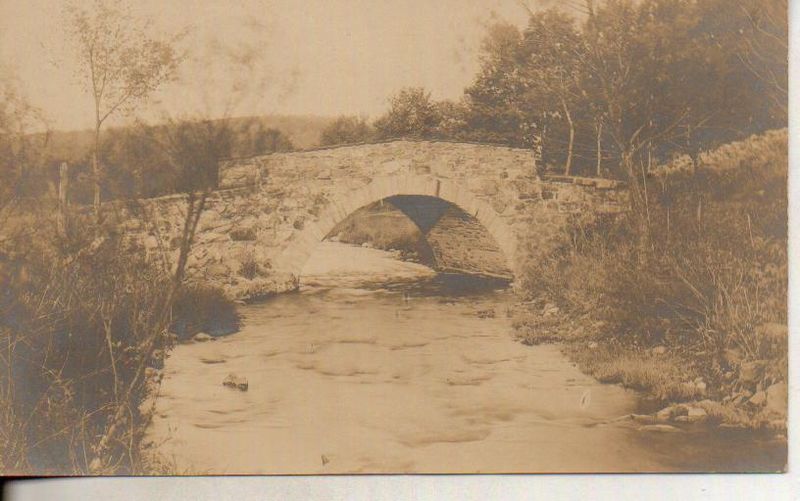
632 82
134 159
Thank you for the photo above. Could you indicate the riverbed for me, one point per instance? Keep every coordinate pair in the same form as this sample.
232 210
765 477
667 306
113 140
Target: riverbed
381 366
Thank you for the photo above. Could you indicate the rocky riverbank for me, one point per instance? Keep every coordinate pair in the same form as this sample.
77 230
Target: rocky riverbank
683 386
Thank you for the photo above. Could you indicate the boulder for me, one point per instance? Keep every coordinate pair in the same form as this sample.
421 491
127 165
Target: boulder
550 309
696 414
741 397
665 414
150 242
777 398
202 337
236 382
759 399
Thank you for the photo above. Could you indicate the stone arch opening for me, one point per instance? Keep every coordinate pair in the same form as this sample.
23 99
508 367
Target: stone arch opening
462 230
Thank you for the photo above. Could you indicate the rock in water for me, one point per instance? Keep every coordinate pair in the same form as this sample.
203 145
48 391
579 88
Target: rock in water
202 337
237 382
486 313
660 428
665 414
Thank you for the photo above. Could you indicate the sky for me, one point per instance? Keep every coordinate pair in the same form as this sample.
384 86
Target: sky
310 57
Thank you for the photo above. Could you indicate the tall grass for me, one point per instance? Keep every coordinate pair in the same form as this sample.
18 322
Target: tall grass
715 272
84 326
75 333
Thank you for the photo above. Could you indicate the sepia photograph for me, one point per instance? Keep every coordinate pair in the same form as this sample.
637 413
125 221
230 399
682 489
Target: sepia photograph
284 237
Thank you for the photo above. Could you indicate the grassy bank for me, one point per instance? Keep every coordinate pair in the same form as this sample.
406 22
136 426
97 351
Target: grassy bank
85 325
700 314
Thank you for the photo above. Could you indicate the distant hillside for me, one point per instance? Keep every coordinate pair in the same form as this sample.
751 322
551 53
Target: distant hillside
304 132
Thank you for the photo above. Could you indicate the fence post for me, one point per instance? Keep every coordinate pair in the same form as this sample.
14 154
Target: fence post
63 187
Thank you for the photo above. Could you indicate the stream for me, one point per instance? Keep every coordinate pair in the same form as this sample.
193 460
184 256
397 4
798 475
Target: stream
382 366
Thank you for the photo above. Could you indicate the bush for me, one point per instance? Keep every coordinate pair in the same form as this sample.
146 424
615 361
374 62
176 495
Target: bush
243 234
76 350
249 268
202 308
716 269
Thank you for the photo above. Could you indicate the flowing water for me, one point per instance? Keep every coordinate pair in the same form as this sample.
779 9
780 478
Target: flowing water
377 365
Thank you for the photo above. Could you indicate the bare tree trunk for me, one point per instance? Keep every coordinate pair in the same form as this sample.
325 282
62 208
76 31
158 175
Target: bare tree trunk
568 165
195 207
638 204
96 171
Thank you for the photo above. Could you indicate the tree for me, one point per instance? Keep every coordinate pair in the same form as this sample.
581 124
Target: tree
193 149
120 64
765 48
411 113
251 137
551 50
346 130
21 151
493 100
528 92
662 79
453 117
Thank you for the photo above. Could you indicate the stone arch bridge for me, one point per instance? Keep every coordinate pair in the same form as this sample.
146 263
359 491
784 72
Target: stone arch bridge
483 209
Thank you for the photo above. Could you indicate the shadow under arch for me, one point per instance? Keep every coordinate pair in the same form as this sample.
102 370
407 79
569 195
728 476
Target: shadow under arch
303 243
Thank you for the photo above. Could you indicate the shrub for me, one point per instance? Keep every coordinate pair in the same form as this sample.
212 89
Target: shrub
76 347
716 269
243 234
203 308
249 268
